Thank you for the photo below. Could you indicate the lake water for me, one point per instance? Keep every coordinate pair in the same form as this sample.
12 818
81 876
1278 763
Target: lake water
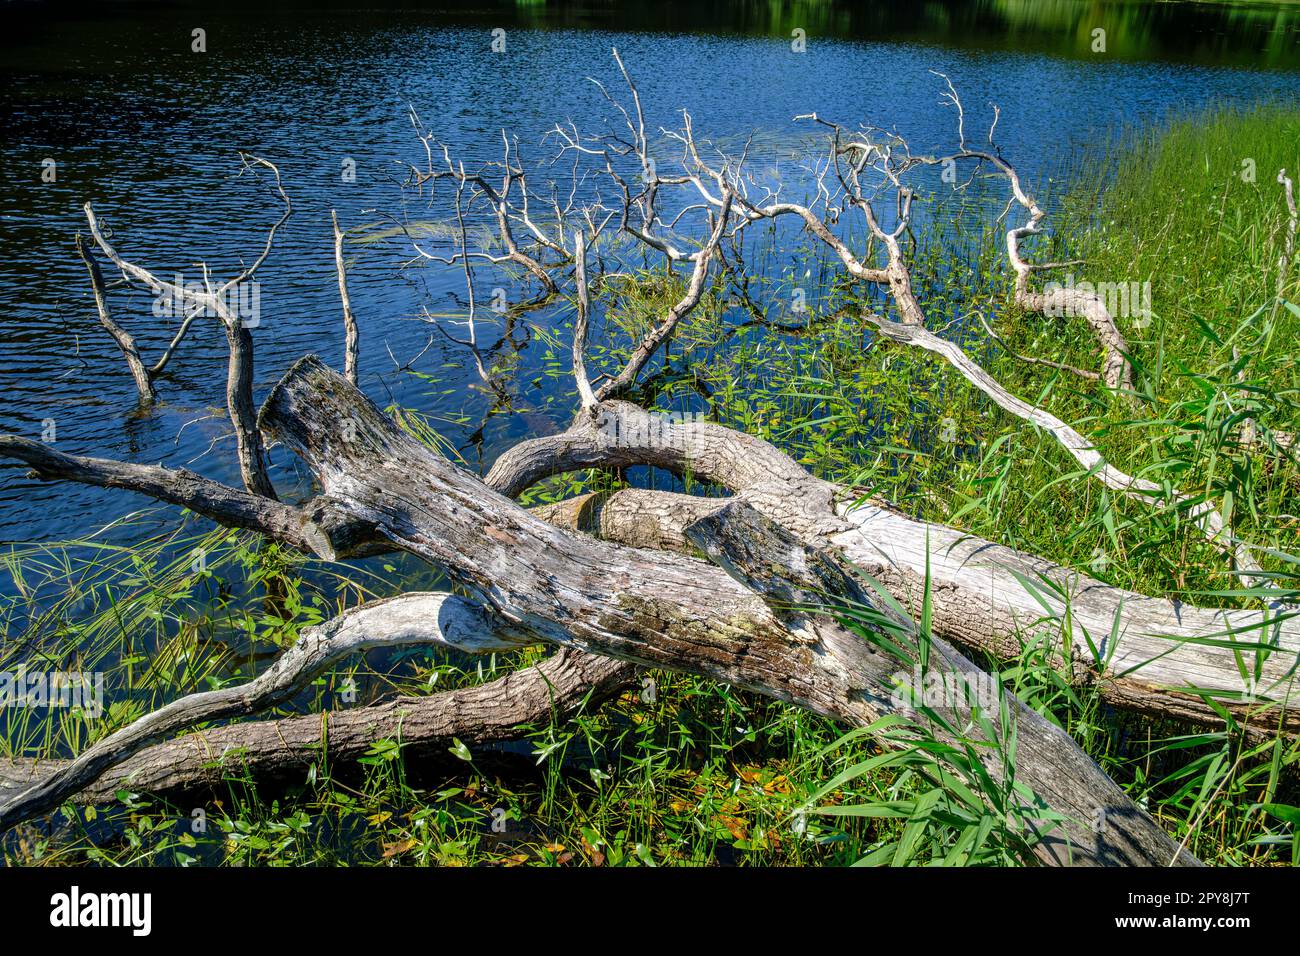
148 130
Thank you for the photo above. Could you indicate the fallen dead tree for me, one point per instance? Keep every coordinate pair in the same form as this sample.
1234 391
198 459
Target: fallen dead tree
610 580
645 606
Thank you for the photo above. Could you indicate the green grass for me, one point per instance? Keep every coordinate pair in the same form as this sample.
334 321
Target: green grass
697 773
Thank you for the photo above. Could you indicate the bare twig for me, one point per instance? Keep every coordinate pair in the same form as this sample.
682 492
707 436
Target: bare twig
124 340
585 393
353 338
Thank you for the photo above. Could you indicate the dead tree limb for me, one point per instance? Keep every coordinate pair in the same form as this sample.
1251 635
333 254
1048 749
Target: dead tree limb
505 209
586 397
239 369
124 340
1117 371
284 748
649 345
796 581
352 340
1288 245
318 527
890 159
1202 513
491 712
425 619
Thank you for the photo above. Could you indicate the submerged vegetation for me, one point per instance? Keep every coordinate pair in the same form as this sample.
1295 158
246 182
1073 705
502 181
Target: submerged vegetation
682 770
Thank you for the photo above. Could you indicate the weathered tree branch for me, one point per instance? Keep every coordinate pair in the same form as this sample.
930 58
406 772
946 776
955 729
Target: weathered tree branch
270 750
1202 513
796 581
892 160
1117 372
352 340
424 619
239 371
319 527
124 340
